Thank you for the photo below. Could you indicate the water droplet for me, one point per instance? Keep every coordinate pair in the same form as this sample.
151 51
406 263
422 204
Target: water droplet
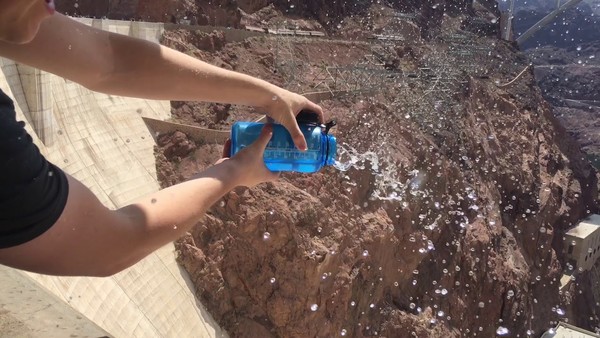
412 306
222 204
275 98
365 253
324 276
560 312
352 303
529 332
174 227
272 280
266 236
510 293
314 307
440 313
372 306
502 331
343 333
481 305
444 292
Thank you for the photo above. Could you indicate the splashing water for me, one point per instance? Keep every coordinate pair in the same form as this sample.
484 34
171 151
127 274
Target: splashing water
387 187
266 236
354 159
502 331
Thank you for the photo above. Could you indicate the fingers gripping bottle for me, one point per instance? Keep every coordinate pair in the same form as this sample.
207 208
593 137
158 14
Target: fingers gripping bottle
281 154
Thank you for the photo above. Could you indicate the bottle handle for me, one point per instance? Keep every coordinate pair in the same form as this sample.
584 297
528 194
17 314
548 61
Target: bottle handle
330 125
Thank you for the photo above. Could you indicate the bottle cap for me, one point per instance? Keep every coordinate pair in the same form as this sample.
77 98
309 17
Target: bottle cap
307 117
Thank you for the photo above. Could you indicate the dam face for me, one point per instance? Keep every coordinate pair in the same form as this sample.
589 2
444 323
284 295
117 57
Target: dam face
102 141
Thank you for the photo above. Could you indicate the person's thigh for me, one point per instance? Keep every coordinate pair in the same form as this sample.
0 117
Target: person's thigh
88 239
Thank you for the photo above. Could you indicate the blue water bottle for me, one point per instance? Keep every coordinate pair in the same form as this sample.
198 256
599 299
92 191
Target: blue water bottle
281 154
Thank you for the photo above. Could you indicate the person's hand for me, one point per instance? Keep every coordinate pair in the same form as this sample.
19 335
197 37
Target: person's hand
283 108
248 163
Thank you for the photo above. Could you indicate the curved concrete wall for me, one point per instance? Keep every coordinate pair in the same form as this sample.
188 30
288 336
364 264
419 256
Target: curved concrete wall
102 141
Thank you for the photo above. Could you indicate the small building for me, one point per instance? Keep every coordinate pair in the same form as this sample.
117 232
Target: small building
582 243
564 330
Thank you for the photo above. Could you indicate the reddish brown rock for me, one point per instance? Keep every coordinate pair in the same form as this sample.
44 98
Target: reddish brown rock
176 145
486 194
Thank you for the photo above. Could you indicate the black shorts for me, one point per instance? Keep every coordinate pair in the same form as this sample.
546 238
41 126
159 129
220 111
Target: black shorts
33 192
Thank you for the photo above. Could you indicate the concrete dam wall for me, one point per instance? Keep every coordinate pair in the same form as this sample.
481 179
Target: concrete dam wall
102 141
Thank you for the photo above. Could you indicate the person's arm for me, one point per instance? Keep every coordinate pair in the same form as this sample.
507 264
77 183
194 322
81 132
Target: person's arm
120 65
91 240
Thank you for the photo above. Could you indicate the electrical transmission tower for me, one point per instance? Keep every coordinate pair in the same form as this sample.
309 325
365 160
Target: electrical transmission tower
356 79
286 62
361 77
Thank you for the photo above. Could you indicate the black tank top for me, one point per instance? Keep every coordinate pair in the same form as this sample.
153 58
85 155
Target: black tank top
33 192
20 158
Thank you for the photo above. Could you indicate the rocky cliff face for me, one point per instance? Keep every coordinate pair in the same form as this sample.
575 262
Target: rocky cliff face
228 13
447 223
567 61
